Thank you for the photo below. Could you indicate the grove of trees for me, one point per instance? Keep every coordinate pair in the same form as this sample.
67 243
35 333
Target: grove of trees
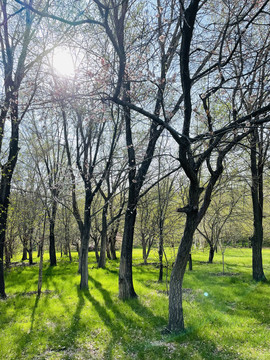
154 129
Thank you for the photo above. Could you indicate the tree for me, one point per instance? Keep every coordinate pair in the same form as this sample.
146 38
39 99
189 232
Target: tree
90 133
16 36
206 150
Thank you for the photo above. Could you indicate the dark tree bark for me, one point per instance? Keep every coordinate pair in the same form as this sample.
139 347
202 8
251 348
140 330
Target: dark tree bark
257 202
103 241
5 186
190 262
24 255
52 217
126 288
211 254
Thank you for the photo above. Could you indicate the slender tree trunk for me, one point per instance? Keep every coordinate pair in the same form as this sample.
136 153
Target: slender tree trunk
69 253
52 251
103 242
85 243
257 201
40 270
96 250
160 249
144 244
112 241
30 252
108 251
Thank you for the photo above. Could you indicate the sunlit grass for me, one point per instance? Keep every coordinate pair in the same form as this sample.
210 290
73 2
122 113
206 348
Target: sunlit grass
226 315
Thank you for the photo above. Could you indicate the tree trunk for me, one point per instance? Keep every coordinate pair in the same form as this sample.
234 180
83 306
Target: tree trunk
84 249
160 255
69 253
112 240
5 185
176 317
103 242
126 289
52 235
211 254
40 269
113 251
7 256
24 255
108 252
30 252
2 281
144 244
257 202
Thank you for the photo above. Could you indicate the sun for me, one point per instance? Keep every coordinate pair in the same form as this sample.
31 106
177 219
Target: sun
63 62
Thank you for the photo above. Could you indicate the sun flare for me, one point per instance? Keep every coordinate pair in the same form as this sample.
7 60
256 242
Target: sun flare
64 63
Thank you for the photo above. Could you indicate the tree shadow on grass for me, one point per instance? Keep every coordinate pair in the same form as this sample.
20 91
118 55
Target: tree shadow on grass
122 327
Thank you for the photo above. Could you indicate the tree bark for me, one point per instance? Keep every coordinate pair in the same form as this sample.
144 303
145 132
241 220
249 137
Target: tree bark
176 316
85 235
126 289
211 254
103 242
5 185
52 251
30 251
24 255
257 202
84 259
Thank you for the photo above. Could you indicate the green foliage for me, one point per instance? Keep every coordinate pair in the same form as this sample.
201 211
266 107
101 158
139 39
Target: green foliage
232 322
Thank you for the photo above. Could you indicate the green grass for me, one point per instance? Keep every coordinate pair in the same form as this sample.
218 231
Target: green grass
232 322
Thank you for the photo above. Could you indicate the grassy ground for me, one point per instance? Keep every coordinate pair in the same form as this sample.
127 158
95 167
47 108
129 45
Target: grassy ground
227 316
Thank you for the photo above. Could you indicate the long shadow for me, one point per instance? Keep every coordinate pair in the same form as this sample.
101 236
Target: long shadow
116 326
134 304
34 313
121 323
